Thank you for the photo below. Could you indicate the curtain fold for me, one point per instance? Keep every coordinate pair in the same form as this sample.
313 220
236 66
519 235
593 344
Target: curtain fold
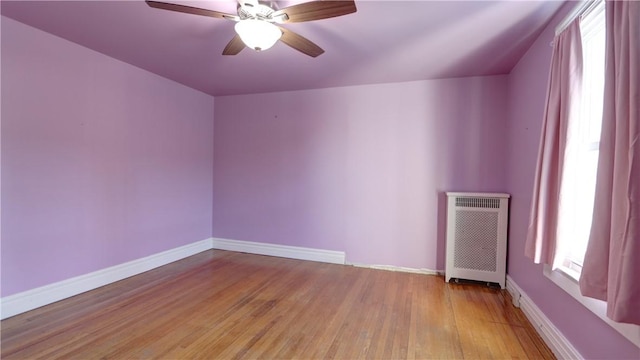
611 270
562 104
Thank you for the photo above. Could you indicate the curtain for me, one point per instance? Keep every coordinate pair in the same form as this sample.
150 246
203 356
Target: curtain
563 94
611 269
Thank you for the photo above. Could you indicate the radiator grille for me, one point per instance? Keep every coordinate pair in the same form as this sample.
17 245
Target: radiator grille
475 243
475 202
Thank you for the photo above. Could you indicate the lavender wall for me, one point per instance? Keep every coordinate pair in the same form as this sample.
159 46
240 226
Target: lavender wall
592 337
102 162
358 169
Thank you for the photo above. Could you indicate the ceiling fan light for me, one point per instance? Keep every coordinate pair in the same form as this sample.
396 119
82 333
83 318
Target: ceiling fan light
258 35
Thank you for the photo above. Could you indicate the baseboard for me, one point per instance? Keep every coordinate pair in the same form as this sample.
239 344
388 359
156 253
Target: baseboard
400 269
559 344
514 291
22 302
291 252
35 298
32 299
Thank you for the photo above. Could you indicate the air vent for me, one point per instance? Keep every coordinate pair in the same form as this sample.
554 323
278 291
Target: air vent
475 202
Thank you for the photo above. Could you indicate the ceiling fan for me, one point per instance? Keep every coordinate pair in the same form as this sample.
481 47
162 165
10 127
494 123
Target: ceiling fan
256 23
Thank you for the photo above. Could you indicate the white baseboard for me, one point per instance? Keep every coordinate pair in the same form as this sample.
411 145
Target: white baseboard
598 307
31 299
559 344
291 252
35 298
400 269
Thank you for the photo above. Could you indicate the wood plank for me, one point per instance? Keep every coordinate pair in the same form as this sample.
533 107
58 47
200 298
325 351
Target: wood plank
220 304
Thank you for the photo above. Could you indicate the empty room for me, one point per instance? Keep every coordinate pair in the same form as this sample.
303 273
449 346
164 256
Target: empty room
224 179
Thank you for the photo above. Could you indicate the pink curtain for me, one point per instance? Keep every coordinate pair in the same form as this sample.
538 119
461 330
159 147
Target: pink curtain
565 82
611 269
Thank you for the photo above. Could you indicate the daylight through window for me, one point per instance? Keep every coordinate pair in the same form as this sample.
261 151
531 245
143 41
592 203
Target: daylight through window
581 157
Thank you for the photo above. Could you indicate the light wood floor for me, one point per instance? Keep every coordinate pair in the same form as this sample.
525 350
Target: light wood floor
226 305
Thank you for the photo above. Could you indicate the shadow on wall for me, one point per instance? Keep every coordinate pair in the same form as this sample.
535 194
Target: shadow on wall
441 231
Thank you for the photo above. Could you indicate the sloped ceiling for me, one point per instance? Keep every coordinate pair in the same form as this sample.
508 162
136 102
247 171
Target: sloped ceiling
384 41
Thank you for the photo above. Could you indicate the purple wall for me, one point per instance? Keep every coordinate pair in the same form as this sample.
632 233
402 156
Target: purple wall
358 169
102 162
591 336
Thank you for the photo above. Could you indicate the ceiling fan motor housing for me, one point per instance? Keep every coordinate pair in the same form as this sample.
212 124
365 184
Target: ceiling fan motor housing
261 12
256 23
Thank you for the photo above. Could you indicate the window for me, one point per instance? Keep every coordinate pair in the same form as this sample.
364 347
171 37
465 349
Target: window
578 186
581 158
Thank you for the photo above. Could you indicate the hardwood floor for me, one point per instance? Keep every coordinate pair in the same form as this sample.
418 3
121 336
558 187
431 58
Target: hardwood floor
227 305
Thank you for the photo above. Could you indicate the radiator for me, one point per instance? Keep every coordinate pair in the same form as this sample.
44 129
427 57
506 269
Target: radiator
477 237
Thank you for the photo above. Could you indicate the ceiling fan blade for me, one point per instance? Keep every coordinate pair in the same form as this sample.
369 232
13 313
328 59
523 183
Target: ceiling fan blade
300 43
316 10
234 46
190 10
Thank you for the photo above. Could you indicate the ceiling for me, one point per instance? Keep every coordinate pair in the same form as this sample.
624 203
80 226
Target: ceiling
383 42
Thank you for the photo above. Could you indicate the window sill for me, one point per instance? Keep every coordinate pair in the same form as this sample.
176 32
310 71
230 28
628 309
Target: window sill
569 283
570 273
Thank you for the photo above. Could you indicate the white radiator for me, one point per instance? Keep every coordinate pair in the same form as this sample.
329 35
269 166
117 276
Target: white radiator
477 237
